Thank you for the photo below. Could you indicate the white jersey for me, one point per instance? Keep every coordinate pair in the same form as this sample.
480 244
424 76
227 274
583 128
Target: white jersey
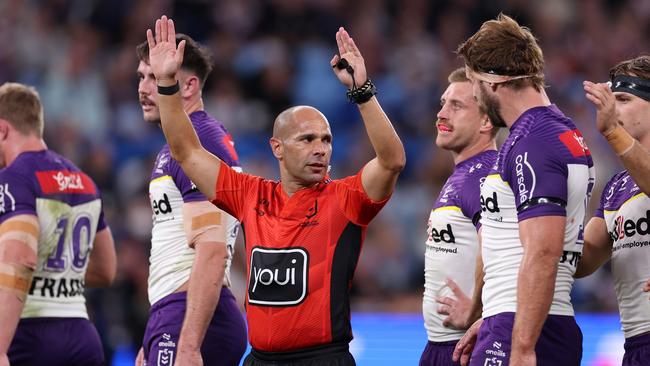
171 258
69 211
543 169
451 247
626 212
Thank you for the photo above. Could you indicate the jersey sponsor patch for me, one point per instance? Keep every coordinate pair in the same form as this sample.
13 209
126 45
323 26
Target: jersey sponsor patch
278 277
574 141
65 181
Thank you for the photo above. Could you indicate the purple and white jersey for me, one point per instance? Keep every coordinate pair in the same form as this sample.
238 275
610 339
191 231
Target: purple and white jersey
69 210
543 168
171 257
626 211
452 242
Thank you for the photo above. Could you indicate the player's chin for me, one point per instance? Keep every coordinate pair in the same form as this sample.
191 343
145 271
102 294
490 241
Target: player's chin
151 116
443 141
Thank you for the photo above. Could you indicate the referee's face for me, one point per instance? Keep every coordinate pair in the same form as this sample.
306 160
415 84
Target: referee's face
307 147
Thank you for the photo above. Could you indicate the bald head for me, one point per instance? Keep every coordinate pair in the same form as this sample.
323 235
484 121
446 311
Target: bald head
287 121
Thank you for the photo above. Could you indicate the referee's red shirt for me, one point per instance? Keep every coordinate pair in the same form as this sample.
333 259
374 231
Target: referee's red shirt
301 253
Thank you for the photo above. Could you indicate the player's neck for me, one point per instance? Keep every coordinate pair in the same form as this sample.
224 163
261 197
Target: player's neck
473 150
23 144
192 105
519 101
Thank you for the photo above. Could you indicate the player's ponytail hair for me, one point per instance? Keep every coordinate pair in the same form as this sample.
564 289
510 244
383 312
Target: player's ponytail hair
21 106
503 47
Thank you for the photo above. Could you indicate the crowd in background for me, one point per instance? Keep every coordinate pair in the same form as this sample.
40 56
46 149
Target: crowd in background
269 55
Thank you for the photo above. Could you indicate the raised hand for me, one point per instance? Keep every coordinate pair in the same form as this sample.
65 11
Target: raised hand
349 51
602 97
458 309
165 57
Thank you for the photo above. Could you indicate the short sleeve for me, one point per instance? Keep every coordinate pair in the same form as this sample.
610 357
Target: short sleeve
608 191
233 190
17 195
188 189
355 203
470 197
538 178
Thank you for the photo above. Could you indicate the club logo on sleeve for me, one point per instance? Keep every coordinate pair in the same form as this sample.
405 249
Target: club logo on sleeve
278 277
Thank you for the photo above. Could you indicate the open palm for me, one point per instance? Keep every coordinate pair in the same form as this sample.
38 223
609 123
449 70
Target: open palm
165 57
349 51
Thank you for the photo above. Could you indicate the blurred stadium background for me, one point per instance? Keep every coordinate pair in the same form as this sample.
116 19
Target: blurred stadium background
269 55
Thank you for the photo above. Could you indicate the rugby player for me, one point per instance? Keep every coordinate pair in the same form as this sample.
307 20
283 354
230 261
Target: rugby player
533 206
194 317
53 243
452 243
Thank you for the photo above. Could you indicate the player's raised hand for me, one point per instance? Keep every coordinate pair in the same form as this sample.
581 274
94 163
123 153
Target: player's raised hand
602 97
349 51
165 57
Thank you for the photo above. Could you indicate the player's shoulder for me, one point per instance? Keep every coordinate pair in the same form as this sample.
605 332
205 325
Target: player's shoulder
215 137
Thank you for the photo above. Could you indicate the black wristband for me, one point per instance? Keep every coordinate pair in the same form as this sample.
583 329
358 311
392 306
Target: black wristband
363 93
168 90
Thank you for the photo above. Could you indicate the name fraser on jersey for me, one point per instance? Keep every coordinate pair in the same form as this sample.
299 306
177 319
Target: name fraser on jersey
60 287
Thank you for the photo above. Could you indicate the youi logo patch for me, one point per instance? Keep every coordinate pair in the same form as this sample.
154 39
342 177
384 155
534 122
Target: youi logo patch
278 277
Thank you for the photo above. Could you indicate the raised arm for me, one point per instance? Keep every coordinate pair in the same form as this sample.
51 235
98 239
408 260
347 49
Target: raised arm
18 245
380 174
543 244
597 249
634 156
165 59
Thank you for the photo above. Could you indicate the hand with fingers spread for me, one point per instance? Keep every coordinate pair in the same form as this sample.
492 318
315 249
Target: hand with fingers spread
602 97
165 57
465 346
458 309
349 51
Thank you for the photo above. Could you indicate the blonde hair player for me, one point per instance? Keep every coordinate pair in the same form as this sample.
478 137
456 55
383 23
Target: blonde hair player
53 243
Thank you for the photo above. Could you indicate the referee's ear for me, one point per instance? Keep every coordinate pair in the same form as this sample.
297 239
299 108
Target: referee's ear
276 147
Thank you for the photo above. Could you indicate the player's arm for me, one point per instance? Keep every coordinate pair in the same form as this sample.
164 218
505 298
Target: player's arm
102 264
18 246
634 156
165 58
543 245
597 248
205 228
380 174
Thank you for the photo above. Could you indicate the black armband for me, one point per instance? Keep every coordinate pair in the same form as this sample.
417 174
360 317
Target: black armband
541 201
169 90
363 93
